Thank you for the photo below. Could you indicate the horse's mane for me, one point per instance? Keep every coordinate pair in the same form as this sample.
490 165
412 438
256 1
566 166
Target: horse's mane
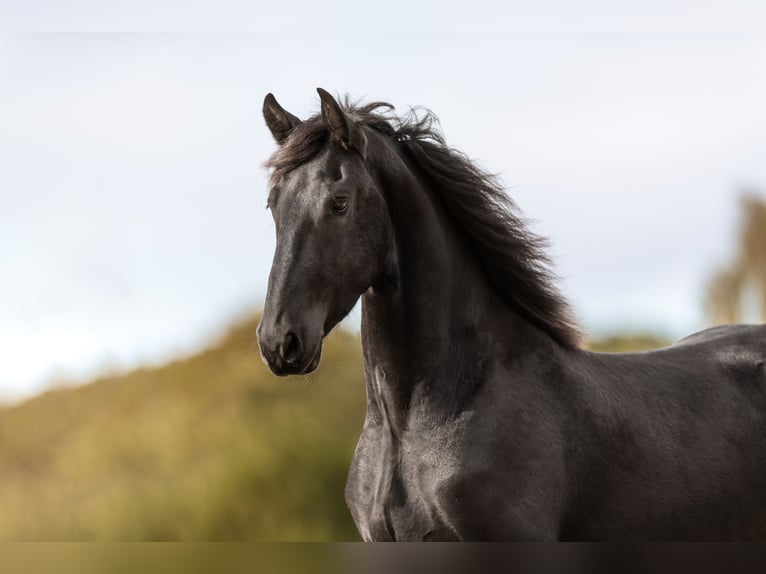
511 255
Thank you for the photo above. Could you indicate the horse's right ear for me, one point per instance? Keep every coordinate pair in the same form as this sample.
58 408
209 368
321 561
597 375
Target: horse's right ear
343 130
279 121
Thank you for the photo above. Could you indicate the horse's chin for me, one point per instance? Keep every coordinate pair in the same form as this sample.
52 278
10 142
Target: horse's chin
314 363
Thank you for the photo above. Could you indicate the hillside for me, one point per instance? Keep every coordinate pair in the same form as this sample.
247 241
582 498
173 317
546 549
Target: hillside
211 447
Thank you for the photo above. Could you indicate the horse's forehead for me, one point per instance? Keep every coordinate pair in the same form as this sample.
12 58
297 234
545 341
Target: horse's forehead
305 184
316 173
302 187
314 167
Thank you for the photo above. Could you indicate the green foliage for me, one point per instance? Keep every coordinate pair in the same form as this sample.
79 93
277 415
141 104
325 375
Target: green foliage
212 447
628 343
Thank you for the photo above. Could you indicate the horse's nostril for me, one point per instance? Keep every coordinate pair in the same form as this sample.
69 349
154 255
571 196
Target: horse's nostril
291 347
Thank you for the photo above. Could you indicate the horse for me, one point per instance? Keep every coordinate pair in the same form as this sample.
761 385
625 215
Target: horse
486 418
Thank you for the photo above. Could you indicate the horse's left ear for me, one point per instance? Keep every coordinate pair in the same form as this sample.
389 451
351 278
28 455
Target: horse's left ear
345 132
279 121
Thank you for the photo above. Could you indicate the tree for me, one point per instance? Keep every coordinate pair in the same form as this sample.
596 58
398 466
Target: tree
737 292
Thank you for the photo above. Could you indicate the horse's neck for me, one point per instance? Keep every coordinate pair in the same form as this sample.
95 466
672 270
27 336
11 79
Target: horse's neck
431 331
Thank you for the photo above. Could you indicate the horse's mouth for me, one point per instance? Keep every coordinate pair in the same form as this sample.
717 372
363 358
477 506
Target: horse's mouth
283 369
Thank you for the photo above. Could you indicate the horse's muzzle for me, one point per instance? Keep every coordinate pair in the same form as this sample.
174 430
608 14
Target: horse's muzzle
286 354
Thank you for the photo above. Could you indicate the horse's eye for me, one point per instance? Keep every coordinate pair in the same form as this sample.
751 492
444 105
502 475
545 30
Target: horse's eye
339 205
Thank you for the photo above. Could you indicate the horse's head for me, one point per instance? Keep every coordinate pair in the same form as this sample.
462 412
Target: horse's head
333 232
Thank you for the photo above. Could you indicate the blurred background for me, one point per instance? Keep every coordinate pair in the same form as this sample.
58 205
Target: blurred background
135 244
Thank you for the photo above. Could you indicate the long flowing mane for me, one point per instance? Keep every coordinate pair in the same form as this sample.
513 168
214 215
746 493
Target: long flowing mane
511 255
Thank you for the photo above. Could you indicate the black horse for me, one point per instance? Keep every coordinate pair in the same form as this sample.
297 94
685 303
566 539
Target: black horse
485 419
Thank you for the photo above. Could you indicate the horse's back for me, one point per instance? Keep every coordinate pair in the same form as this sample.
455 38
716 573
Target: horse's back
735 348
729 334
713 355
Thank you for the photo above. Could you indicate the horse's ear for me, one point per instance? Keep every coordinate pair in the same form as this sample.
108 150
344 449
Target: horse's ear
343 130
279 121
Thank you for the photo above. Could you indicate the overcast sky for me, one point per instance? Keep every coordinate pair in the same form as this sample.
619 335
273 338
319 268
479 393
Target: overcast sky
132 205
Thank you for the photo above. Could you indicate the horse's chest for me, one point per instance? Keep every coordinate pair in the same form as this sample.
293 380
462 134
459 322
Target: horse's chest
396 486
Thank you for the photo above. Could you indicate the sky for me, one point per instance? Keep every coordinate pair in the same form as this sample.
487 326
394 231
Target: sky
132 202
